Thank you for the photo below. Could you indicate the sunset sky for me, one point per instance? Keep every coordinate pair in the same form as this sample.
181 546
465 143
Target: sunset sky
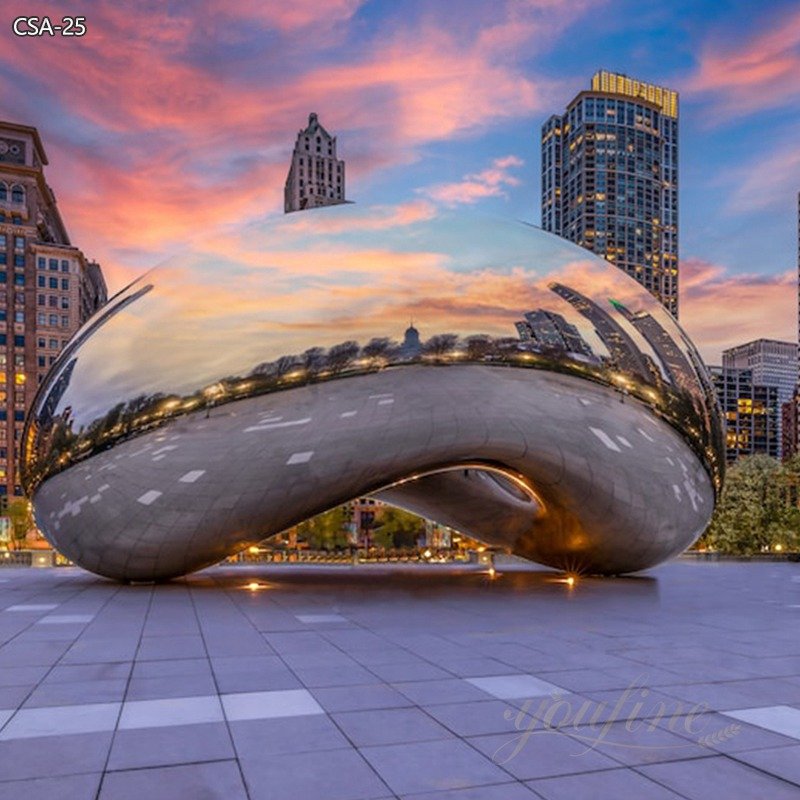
169 122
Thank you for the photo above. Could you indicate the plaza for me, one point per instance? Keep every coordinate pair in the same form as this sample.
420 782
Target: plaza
426 682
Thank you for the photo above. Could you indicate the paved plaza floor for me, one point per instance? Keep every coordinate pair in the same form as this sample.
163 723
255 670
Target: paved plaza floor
431 683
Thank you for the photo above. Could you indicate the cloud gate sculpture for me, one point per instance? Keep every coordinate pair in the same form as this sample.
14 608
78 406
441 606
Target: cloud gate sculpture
541 400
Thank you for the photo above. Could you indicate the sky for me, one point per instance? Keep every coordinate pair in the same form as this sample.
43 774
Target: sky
171 122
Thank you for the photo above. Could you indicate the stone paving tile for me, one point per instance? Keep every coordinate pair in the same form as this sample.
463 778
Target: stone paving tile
723 734
169 712
171 668
64 787
613 784
505 791
268 705
541 754
13 696
101 650
26 677
333 676
719 778
390 726
178 744
54 755
170 686
71 673
259 738
387 654
479 717
214 780
732 695
451 690
17 654
476 667
77 693
359 698
780 719
154 648
416 670
330 774
205 636
508 687
783 762
30 723
418 767
639 742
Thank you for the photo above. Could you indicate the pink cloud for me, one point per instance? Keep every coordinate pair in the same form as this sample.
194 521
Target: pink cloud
160 125
719 309
489 182
761 72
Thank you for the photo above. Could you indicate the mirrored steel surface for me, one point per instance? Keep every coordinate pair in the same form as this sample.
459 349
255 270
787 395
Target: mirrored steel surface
477 370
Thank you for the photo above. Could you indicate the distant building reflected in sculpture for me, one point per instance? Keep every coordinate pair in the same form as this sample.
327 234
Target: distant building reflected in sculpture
624 354
550 330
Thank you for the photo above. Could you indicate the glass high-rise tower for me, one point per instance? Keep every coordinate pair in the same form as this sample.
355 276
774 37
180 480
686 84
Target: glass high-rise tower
610 178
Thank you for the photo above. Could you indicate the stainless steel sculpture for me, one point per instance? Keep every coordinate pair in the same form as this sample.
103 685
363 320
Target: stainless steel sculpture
542 400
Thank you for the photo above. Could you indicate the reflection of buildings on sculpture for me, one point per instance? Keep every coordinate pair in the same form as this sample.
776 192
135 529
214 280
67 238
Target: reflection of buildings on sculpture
549 330
750 412
624 354
49 287
316 176
677 367
438 537
362 512
328 417
411 347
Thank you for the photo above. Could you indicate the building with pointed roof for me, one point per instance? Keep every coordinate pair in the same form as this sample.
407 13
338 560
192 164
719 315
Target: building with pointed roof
316 175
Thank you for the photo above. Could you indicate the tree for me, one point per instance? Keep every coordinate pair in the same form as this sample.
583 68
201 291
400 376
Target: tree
440 344
750 512
314 358
478 346
377 347
786 532
326 531
397 528
19 512
340 355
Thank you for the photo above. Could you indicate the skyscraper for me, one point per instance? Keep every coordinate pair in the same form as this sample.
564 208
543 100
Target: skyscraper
610 178
47 286
316 176
751 412
790 410
772 363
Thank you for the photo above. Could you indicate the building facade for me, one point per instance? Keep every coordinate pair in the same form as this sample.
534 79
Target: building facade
751 412
610 178
47 287
316 175
772 362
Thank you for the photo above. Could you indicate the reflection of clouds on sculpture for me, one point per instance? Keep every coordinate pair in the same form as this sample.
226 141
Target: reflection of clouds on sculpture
318 300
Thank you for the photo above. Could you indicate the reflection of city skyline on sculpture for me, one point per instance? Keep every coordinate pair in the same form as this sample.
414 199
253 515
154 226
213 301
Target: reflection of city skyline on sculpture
534 303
